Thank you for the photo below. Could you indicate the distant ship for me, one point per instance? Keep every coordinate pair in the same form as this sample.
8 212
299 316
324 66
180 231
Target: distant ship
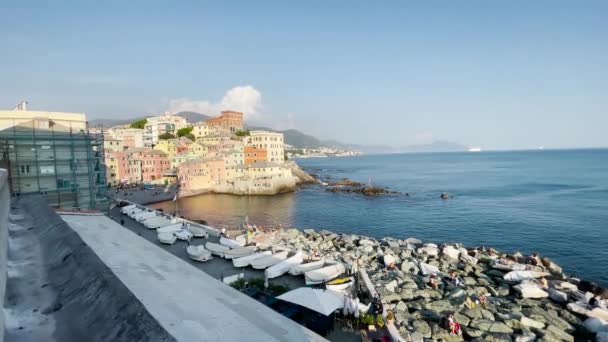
475 149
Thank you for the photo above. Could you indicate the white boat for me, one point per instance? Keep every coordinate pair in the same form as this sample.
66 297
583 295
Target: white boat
324 274
136 211
246 261
309 266
171 228
167 238
198 253
143 216
269 260
128 208
198 231
282 267
341 287
183 235
216 249
233 243
159 222
239 252
523 275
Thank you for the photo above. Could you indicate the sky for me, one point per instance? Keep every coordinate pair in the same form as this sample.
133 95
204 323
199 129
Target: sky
491 74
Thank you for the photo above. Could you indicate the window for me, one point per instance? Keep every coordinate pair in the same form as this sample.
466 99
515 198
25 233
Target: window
25 169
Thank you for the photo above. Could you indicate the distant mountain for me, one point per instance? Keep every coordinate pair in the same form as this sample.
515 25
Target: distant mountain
193 117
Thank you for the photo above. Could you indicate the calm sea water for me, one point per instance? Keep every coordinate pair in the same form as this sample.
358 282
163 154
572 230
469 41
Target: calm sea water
553 202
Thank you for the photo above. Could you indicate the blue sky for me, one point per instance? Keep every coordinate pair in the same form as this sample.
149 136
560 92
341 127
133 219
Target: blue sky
495 74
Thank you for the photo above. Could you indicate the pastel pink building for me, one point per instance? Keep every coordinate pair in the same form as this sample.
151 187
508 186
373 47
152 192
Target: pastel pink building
202 173
153 164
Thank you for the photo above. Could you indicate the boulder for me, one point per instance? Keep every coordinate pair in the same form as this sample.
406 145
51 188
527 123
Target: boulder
530 323
427 269
530 291
365 242
462 319
554 331
498 338
526 337
389 260
491 326
391 286
602 336
439 306
557 296
422 327
551 266
599 313
450 252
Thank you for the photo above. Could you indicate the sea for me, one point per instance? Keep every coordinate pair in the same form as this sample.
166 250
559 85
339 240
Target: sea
554 202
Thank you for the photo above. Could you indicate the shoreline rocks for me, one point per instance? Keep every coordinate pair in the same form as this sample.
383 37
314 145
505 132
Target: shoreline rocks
486 304
366 190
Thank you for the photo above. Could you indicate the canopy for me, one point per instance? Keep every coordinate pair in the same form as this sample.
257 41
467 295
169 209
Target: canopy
319 300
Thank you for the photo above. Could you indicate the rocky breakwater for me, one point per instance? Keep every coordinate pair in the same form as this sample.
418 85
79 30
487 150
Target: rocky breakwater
493 296
347 185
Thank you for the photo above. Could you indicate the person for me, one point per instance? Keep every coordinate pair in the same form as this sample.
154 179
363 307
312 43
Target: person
593 302
433 282
483 300
533 259
122 221
454 279
223 233
454 326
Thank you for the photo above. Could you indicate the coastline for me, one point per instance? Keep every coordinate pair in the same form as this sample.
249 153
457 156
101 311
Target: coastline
516 303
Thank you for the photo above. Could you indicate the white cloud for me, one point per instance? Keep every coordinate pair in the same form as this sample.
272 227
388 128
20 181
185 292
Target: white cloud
244 99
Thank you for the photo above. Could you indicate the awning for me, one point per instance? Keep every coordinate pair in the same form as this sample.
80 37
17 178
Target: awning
319 300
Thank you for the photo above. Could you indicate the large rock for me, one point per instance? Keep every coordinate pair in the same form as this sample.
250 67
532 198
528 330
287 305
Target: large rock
422 327
491 326
439 306
595 325
530 323
530 291
461 319
557 296
498 338
552 267
549 317
554 331
526 337
450 252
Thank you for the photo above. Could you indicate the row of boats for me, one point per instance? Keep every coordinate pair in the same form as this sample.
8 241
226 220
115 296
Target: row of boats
274 263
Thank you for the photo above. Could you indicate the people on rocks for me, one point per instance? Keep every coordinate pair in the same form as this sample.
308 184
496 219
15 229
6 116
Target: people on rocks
543 283
534 259
453 279
448 322
469 303
433 283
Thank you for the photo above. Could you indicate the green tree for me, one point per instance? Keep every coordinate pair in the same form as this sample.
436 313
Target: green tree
241 133
184 131
139 123
190 136
166 136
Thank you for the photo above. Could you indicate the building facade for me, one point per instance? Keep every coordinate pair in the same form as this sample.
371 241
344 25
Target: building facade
272 142
54 155
228 121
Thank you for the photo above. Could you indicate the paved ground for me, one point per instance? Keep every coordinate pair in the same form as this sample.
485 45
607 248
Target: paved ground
144 196
190 305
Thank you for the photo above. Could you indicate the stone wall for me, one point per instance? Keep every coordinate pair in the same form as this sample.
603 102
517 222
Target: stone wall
4 209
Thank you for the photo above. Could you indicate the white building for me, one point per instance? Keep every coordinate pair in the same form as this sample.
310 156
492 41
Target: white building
157 125
130 137
272 142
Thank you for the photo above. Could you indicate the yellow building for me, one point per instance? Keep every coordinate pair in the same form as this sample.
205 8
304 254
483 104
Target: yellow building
110 144
199 149
214 139
181 158
202 129
173 146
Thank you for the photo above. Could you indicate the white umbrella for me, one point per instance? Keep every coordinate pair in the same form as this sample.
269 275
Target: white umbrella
319 300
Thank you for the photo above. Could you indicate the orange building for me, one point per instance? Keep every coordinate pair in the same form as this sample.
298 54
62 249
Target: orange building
229 121
255 154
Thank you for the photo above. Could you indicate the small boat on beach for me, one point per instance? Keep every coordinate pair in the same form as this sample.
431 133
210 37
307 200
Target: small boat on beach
167 238
183 235
216 249
324 274
198 253
239 241
269 260
198 231
239 252
309 266
282 267
170 229
158 222
147 215
340 284
246 261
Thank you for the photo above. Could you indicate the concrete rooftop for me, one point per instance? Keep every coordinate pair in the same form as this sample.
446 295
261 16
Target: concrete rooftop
189 304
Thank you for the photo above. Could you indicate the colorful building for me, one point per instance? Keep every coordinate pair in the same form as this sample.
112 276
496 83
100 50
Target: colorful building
255 155
228 121
272 142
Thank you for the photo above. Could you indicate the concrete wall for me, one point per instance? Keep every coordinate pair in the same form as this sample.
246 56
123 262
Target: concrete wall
4 209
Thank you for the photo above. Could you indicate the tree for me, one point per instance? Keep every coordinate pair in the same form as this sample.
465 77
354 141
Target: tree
139 124
190 136
184 131
241 133
166 136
